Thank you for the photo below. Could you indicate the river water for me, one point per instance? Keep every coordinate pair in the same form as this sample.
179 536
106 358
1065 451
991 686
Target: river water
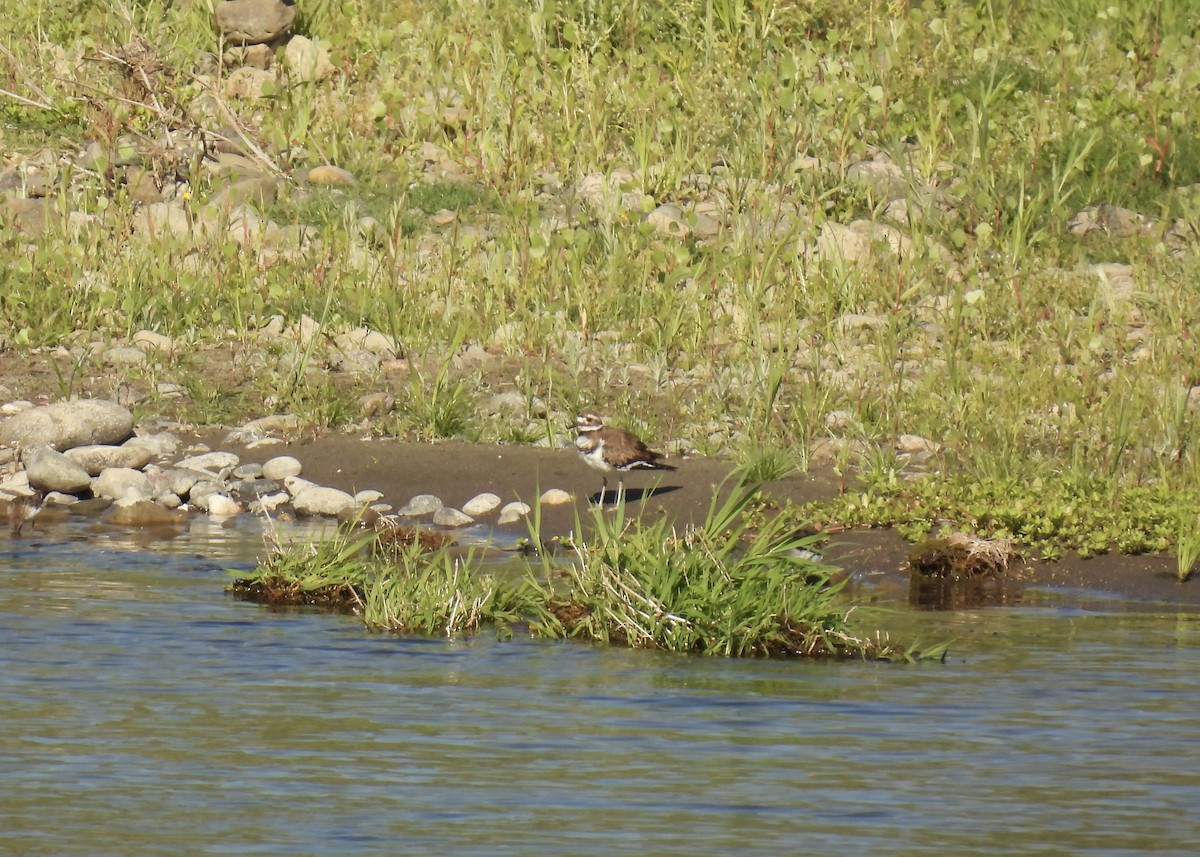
147 713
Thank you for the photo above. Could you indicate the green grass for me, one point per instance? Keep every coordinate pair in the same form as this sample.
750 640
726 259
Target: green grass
988 334
731 586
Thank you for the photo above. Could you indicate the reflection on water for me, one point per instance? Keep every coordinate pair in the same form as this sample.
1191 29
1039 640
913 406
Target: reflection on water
147 713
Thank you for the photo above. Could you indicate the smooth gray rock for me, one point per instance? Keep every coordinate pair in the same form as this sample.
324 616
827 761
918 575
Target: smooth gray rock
253 470
480 504
252 489
202 490
158 444
117 482
213 462
450 517
513 512
422 504
221 505
95 458
319 500
281 467
554 497
65 425
132 512
50 470
253 22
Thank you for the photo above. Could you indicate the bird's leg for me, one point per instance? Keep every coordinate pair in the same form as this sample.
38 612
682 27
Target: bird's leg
620 490
603 491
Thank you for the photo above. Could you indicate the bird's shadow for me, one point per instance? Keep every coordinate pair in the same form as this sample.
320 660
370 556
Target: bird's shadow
610 496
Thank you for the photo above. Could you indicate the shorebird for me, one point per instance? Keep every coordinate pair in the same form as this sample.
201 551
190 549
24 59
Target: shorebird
607 448
23 508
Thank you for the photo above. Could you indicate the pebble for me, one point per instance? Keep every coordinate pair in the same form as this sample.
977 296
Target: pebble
117 482
158 445
250 489
222 506
554 497
202 490
281 467
451 517
308 61
317 500
213 462
153 341
480 504
513 512
421 504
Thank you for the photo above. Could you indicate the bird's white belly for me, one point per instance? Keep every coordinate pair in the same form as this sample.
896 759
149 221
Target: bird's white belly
595 456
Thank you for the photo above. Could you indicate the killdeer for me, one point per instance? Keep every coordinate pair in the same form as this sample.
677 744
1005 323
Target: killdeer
607 448
23 508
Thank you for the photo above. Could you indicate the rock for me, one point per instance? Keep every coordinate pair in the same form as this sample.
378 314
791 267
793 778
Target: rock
294 484
1117 283
281 467
839 420
327 174
211 462
117 482
275 424
141 185
513 512
50 470
269 503
367 496
255 56
132 512
148 340
377 343
95 458
1109 219
306 60
450 517
248 83
252 489
202 490
222 506
253 22
376 404
883 176
442 217
170 218
554 497
123 355
480 504
319 500
669 219
181 480
513 404
158 444
64 425
913 444
259 191
421 504
10 408
250 471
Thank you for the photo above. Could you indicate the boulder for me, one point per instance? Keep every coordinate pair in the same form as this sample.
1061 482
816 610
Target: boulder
66 425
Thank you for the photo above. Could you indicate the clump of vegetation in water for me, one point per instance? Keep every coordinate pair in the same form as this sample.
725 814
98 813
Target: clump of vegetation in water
718 588
1088 516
